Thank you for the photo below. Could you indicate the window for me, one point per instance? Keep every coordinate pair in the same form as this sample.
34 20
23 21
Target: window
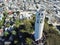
41 20
41 13
37 20
56 12
38 16
54 6
42 9
38 13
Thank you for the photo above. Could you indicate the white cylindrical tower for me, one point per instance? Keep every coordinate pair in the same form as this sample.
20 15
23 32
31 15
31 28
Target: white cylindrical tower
39 24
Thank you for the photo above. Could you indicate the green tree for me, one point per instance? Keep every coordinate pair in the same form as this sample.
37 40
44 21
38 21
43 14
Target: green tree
13 32
15 41
1 23
5 13
29 41
17 23
6 33
52 35
27 26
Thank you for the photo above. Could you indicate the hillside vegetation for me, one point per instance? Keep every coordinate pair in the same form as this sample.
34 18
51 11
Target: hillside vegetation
51 34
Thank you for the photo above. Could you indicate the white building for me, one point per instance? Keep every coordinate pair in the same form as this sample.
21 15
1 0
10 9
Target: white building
37 0
7 43
39 24
25 14
1 16
1 32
